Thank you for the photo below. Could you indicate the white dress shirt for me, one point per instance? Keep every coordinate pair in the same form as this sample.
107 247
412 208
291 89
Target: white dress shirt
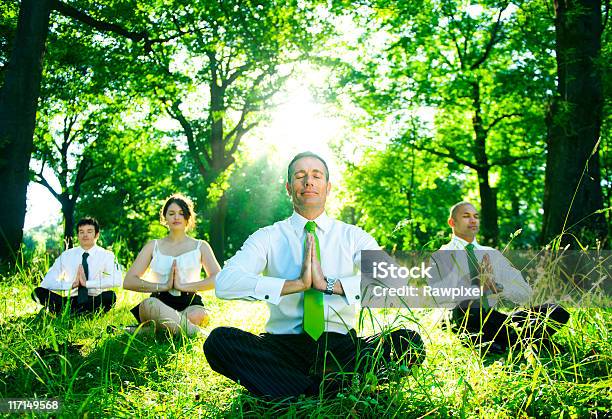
189 265
275 253
456 272
104 271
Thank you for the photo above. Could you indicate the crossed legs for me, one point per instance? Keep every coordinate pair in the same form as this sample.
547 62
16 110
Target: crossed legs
537 323
281 366
163 316
55 303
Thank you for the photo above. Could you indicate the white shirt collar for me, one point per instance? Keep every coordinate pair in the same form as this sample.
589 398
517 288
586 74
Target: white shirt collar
93 249
462 243
298 222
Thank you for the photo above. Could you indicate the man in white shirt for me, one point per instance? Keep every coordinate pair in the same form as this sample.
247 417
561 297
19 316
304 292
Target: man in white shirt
465 262
84 271
307 269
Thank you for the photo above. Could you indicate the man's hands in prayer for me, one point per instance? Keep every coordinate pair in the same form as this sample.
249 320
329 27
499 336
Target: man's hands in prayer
304 282
318 279
311 275
486 275
79 279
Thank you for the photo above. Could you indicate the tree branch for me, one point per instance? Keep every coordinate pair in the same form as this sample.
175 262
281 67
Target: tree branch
84 167
82 17
68 125
454 38
238 126
101 26
237 138
239 130
447 61
452 156
213 66
492 40
41 180
507 160
175 112
501 118
237 73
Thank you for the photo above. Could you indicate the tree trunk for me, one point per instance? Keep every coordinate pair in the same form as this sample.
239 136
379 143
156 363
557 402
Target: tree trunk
574 122
515 213
68 213
488 196
217 229
488 209
218 166
18 104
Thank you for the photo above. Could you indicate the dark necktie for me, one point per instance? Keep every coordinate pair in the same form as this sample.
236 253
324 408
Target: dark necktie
82 297
475 272
472 264
314 313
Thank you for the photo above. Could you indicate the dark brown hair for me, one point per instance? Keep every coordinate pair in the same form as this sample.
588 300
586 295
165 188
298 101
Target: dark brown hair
186 205
88 221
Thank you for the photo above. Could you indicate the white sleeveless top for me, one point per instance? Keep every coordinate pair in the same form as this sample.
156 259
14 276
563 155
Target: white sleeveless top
189 265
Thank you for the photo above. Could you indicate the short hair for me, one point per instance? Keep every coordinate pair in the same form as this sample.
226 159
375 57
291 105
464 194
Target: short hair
455 208
301 156
186 205
88 221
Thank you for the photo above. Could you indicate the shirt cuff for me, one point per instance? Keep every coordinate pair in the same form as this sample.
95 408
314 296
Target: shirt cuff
96 284
352 288
57 286
269 289
492 299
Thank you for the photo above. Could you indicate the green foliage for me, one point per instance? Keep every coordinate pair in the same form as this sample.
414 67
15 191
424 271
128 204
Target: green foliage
401 196
256 198
8 23
169 111
43 239
95 372
486 70
127 204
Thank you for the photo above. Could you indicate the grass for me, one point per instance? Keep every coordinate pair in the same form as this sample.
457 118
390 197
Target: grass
95 373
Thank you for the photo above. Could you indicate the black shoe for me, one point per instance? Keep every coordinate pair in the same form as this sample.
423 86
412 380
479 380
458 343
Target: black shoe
496 348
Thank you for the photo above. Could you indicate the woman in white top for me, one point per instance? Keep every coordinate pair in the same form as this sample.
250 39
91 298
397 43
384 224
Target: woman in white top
174 264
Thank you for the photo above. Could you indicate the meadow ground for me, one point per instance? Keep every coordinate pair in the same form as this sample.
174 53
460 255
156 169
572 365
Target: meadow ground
98 373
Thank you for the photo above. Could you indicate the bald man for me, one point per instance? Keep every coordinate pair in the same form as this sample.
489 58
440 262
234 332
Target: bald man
488 269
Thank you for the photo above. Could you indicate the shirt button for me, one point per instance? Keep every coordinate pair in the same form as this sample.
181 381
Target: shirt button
267 297
356 297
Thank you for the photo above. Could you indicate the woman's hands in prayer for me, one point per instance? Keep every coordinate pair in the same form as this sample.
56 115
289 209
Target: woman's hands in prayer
175 276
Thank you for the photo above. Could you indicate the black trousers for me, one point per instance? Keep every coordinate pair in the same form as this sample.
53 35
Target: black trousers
486 326
55 303
280 366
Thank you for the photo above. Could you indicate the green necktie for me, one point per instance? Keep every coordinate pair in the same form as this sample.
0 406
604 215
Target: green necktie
314 316
475 272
